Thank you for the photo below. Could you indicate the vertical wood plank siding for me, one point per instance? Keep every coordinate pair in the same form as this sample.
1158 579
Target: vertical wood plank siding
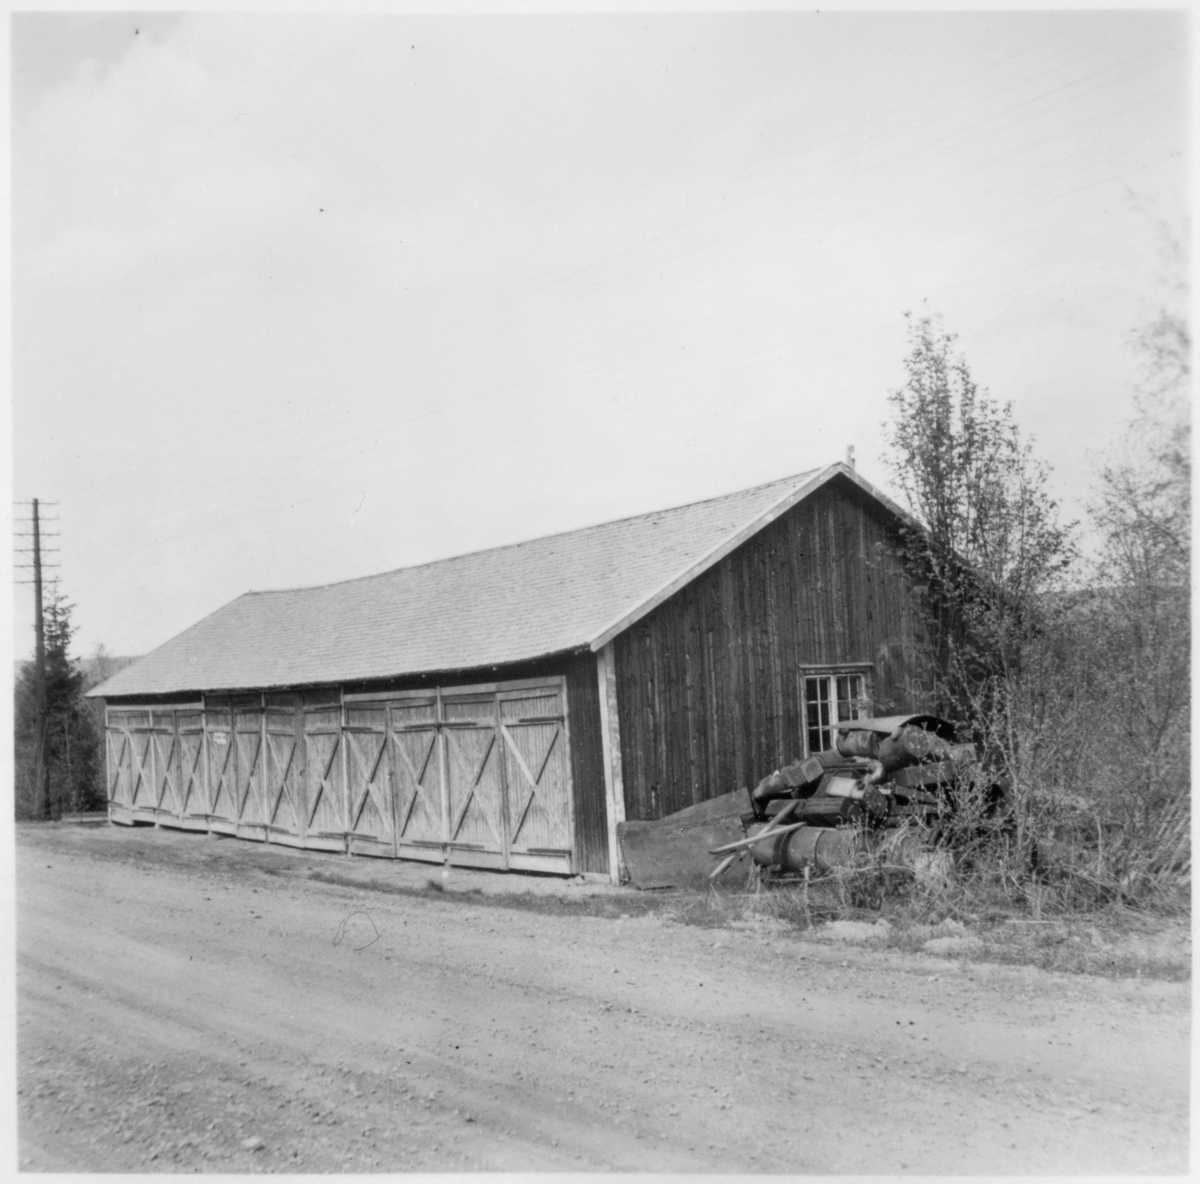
587 764
711 683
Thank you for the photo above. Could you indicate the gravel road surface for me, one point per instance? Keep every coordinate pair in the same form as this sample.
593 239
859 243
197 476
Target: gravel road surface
193 1004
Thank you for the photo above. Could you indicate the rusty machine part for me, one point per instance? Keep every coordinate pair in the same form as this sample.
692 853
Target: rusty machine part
821 847
906 745
879 789
802 778
896 753
840 798
882 774
790 781
891 724
827 848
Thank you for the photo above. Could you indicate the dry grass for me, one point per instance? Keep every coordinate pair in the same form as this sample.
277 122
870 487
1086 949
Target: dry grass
992 917
1005 917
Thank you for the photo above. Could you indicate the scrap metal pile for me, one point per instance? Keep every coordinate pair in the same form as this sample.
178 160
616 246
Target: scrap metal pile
883 775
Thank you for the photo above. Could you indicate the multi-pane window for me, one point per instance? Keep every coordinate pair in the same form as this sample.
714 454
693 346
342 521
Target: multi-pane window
830 699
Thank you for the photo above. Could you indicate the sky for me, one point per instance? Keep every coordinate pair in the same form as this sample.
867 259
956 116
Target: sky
300 298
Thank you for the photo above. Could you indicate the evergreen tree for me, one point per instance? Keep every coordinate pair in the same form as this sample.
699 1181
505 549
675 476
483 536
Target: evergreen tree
67 736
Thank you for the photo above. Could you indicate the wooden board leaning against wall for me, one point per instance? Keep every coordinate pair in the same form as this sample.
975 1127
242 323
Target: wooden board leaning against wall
479 774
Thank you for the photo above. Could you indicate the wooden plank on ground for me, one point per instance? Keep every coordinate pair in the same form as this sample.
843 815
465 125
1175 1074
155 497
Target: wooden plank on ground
674 851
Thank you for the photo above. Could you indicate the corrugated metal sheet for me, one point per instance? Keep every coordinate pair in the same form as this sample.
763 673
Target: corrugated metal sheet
545 596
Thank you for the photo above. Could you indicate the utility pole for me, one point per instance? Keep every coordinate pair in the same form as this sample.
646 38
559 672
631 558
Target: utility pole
41 798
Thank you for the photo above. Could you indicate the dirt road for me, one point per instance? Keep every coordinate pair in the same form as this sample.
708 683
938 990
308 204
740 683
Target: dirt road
187 1003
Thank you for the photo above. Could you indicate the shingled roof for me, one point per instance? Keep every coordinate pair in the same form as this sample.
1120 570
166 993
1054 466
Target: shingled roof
564 592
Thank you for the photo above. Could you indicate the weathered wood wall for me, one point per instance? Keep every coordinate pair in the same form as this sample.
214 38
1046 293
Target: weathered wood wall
710 698
366 768
587 764
710 684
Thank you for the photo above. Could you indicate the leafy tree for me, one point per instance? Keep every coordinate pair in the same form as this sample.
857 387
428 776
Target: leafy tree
1079 694
992 543
1139 640
102 665
67 737
990 552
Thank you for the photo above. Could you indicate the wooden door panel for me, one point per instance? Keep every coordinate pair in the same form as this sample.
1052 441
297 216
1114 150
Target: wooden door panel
482 771
474 788
370 798
193 797
250 776
119 758
141 790
222 789
166 769
537 773
535 769
283 769
252 808
285 812
417 785
323 766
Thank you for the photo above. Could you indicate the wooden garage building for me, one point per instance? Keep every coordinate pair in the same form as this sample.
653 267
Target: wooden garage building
506 709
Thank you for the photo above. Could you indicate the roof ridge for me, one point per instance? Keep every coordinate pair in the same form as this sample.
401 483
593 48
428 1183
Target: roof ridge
379 575
485 609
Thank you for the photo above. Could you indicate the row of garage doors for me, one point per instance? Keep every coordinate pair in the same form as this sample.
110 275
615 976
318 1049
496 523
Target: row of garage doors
480 775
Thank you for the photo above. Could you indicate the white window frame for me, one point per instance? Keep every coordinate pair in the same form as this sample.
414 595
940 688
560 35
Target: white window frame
822 689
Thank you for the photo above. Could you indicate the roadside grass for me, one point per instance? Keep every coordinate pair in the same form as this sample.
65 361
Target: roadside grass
1114 942
975 917
980 919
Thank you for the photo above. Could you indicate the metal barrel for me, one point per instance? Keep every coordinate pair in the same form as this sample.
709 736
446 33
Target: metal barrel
822 847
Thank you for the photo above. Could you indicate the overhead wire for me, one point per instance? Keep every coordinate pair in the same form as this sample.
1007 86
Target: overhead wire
171 533
499 390
671 222
358 437
334 448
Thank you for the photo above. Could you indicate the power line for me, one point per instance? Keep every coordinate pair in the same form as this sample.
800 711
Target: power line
750 183
586 273
41 800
